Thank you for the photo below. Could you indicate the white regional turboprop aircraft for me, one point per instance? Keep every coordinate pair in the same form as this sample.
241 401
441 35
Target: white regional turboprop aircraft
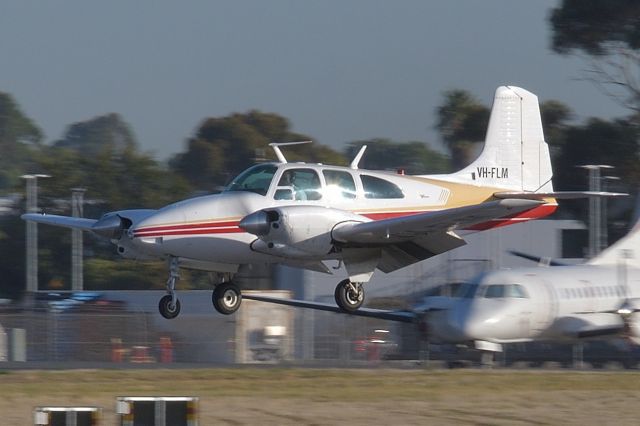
597 299
301 214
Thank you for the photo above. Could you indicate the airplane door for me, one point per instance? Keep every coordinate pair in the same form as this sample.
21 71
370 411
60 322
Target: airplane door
544 306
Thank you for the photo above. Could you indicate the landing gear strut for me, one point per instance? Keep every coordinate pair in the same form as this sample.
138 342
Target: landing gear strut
349 295
226 298
169 305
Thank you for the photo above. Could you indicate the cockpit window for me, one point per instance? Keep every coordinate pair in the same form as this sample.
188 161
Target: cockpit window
466 290
379 188
505 290
299 184
255 179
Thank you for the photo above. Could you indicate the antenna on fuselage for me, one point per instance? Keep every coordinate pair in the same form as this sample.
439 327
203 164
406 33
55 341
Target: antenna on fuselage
356 160
276 147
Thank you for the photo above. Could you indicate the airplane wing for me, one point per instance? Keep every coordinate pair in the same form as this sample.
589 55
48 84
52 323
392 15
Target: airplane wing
600 331
108 225
64 221
407 228
561 195
410 239
398 316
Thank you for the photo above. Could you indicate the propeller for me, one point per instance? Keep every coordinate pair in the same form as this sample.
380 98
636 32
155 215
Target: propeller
111 225
260 223
546 261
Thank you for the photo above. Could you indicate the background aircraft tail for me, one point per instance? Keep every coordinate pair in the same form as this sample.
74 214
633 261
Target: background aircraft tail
515 154
626 249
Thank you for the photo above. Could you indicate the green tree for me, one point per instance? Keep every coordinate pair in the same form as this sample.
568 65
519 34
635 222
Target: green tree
115 176
222 147
103 133
606 33
462 122
19 138
413 157
555 121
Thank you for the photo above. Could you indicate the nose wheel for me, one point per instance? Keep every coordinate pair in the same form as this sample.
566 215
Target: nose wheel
169 305
226 298
168 308
349 295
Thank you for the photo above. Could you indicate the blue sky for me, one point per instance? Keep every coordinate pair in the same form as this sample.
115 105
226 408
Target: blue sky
339 70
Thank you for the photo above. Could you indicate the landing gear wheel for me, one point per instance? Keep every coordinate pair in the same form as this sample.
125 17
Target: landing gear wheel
349 296
166 308
226 298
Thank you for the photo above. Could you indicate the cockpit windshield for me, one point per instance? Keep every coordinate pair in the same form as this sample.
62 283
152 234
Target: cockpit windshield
466 290
495 291
255 179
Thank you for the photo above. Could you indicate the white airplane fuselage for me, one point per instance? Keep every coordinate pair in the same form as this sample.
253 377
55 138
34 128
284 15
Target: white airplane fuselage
206 228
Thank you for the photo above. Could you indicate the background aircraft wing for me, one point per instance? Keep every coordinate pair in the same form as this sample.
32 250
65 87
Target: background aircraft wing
600 331
398 316
410 239
65 221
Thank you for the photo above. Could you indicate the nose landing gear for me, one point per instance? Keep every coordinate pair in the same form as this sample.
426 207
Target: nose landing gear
169 305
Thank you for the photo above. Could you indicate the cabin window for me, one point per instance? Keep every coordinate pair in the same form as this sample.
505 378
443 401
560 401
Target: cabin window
379 188
299 184
255 179
340 184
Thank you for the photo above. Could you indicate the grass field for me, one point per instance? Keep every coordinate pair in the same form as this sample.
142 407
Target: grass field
342 396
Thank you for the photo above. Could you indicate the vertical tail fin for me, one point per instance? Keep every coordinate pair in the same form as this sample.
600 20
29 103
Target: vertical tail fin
626 248
515 154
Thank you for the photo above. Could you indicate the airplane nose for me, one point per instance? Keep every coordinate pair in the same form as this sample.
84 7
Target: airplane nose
467 323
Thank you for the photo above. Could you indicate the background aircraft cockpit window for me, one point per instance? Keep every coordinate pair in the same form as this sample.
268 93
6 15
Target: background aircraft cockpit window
339 184
467 290
379 188
255 179
505 290
304 182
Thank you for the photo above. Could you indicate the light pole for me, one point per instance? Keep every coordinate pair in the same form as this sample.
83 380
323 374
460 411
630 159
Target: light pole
77 277
595 208
605 212
32 232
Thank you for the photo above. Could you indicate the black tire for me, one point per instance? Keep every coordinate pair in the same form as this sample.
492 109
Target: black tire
165 307
226 298
346 298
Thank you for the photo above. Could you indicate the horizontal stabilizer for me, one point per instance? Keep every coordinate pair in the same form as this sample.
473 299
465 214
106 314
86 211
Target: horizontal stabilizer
398 316
538 259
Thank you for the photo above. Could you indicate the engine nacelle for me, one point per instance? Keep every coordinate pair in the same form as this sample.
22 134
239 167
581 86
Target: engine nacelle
302 232
126 249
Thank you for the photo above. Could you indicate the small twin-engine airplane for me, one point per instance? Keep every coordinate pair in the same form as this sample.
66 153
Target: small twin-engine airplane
599 299
302 214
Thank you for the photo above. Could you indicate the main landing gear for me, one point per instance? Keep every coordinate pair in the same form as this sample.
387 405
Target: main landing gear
226 296
349 295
